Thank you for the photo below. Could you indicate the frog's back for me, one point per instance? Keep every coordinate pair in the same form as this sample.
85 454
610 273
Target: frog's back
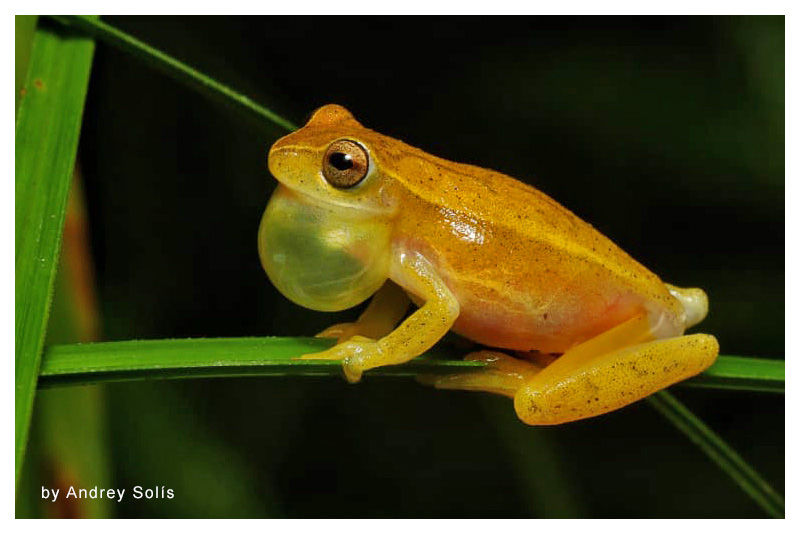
518 210
518 261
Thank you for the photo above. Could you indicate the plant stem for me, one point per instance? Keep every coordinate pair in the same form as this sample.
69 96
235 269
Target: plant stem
174 68
271 356
89 363
720 453
742 374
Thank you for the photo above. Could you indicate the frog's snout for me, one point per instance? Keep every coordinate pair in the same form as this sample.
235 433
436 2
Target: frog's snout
279 160
694 301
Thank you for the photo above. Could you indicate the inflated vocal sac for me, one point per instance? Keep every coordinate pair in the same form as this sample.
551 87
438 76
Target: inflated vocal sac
322 256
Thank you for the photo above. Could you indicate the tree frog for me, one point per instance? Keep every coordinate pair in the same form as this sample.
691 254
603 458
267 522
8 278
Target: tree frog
576 326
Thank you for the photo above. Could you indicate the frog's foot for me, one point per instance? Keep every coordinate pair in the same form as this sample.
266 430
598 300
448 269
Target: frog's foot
503 374
357 355
592 378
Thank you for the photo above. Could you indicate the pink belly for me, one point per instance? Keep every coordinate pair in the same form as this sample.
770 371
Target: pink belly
512 305
554 327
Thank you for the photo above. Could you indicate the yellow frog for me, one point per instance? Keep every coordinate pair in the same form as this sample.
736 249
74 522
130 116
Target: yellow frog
498 262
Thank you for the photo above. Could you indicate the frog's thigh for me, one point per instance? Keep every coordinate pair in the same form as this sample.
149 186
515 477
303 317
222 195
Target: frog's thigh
503 375
599 383
385 310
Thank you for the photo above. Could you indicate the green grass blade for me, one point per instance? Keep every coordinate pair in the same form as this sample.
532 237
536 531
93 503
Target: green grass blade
720 452
175 69
742 374
46 139
24 30
273 356
87 363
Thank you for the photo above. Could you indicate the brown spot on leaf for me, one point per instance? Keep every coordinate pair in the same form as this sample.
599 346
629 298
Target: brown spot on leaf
38 83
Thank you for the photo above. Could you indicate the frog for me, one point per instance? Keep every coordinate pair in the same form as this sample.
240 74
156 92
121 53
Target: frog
567 324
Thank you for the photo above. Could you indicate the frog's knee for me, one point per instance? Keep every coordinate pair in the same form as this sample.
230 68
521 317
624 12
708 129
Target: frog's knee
694 301
538 403
528 407
537 408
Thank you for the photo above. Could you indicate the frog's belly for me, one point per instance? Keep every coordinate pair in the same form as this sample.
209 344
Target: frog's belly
535 295
547 322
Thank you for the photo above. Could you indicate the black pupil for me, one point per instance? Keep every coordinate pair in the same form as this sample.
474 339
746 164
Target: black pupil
341 161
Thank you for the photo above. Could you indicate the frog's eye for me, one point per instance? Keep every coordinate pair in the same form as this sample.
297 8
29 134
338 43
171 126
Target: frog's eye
345 163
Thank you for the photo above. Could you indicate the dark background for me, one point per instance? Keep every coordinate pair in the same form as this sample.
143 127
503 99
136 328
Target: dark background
667 134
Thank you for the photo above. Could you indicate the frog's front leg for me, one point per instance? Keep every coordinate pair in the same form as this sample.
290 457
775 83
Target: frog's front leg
419 332
385 310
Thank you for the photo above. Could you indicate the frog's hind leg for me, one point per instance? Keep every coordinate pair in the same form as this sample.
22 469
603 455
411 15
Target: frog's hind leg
610 371
607 372
503 375
506 375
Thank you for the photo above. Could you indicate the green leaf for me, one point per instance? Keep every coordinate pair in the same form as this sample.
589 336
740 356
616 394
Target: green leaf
175 69
87 363
720 453
46 139
68 442
24 30
743 374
